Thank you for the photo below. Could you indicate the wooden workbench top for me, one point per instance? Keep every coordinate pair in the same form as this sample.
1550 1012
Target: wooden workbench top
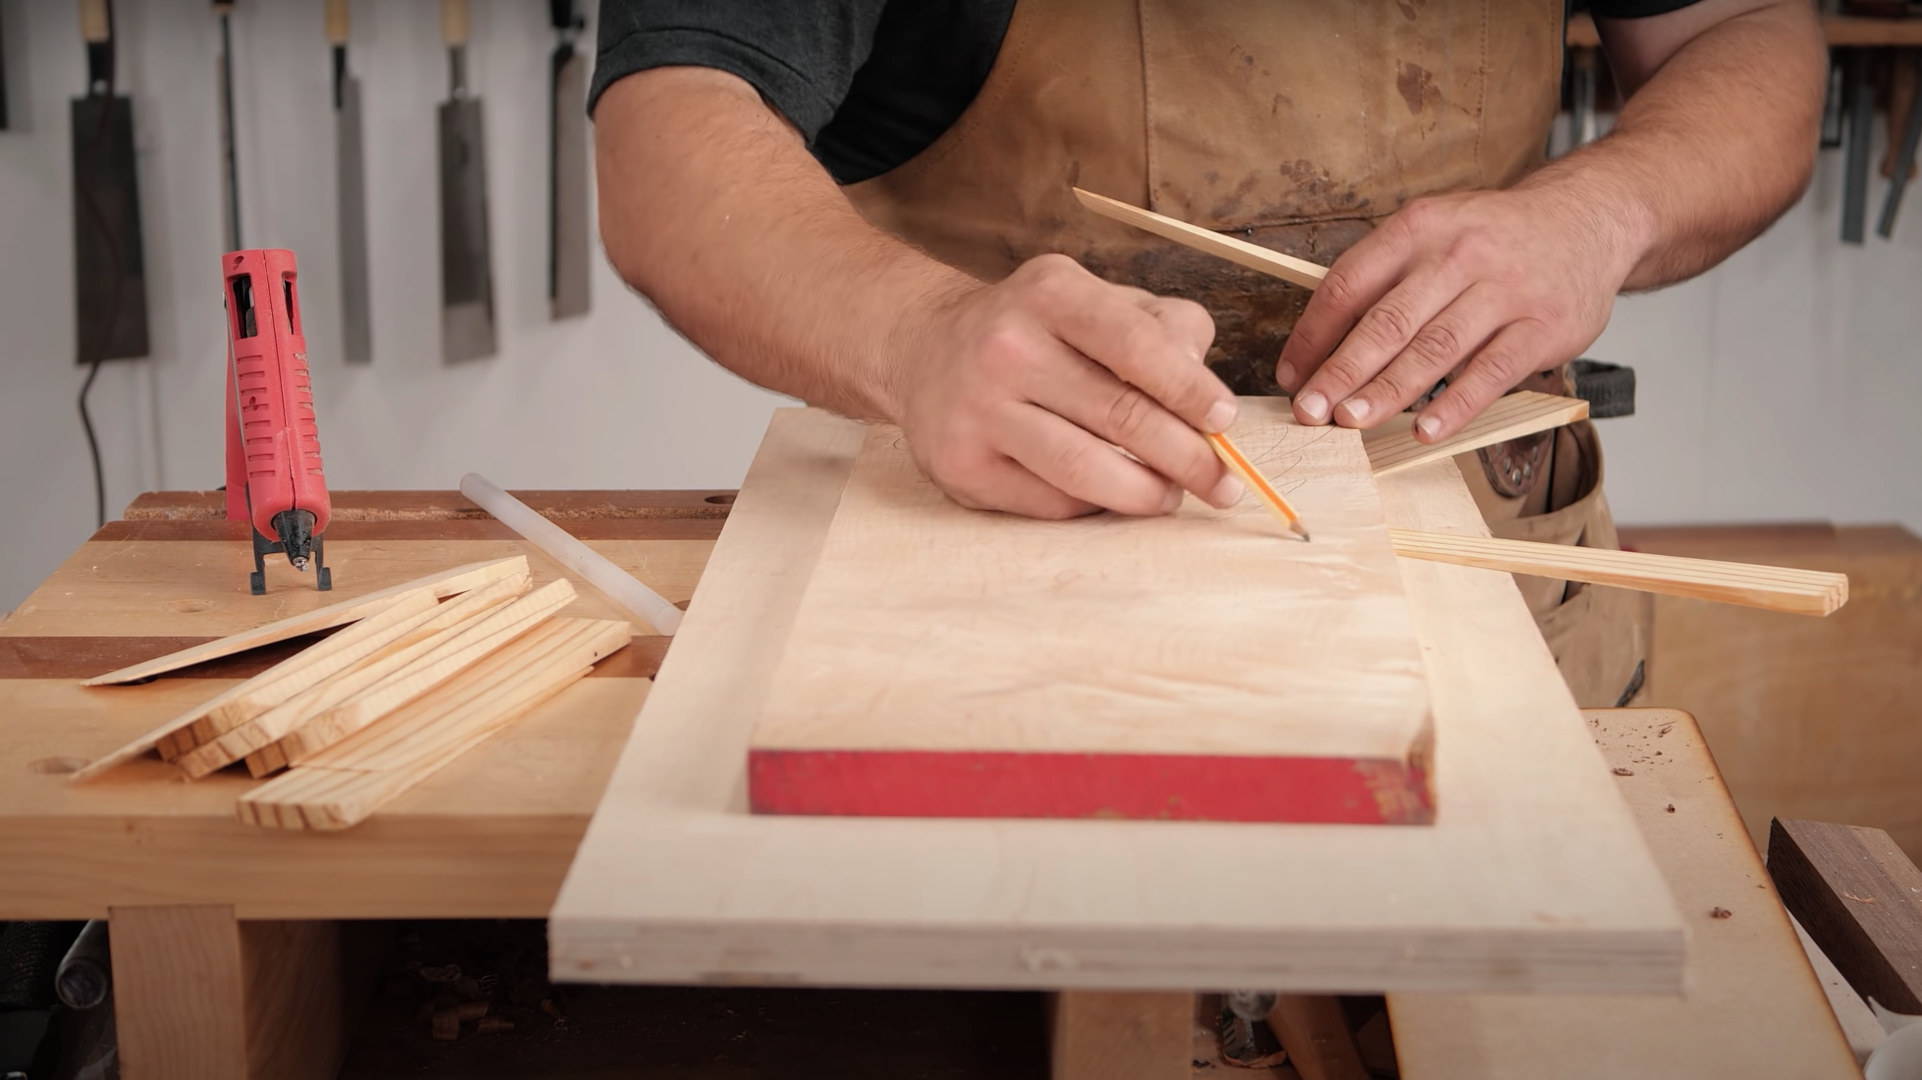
490 835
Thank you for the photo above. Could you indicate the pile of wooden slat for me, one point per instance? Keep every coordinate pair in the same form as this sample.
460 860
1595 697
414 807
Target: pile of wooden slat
420 673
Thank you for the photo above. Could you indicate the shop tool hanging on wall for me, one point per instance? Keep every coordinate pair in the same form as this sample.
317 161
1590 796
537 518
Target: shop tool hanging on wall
357 334
229 160
466 272
569 256
110 283
274 477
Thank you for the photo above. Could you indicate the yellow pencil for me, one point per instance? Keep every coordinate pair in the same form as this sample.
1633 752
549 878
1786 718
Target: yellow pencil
1233 458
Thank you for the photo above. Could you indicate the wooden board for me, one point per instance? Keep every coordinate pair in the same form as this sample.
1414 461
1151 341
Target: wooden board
1202 665
1860 899
1810 718
1533 877
1752 1006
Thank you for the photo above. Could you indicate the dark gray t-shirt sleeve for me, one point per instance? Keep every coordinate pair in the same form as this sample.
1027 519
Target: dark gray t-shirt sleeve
800 54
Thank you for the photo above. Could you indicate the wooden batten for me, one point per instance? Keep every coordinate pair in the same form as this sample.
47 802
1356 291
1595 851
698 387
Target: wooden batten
1524 412
415 639
444 584
297 673
1776 588
464 645
344 783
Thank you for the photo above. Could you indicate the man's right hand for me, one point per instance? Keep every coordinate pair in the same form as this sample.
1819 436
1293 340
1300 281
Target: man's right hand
1013 396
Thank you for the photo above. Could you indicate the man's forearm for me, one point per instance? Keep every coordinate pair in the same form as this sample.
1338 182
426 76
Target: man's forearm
1709 150
708 204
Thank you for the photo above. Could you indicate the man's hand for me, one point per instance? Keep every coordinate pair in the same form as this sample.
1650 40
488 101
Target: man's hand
1014 396
1484 287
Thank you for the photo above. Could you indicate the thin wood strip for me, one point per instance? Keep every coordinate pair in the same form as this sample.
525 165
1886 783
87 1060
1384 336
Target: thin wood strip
447 583
270 687
261 731
1523 412
1253 256
409 737
346 782
1801 592
422 674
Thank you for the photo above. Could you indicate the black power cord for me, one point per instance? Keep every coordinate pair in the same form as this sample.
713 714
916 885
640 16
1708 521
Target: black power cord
93 448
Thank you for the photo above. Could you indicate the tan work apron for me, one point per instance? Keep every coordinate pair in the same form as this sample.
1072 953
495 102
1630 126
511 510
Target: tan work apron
1294 123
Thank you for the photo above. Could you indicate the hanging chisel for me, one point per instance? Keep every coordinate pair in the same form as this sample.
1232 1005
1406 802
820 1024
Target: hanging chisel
357 332
110 281
3 71
466 275
229 163
568 256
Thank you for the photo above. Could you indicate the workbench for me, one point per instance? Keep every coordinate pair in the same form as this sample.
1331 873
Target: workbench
227 949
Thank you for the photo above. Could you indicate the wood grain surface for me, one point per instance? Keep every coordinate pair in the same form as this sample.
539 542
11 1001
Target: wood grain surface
1203 665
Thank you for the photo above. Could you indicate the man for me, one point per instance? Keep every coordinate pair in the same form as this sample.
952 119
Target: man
866 205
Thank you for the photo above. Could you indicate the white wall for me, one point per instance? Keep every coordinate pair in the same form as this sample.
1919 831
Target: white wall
611 400
1780 386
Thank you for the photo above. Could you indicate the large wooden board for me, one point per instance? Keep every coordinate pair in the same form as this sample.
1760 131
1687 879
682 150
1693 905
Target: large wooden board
1202 665
1752 1007
1533 877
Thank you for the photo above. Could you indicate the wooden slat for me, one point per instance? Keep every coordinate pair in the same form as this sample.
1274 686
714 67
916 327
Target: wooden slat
269 688
209 751
464 579
1524 412
1860 899
343 784
1533 878
1776 588
446 583
1195 666
443 659
1753 1007
1240 252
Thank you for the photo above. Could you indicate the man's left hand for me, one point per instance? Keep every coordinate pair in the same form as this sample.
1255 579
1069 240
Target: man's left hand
1483 287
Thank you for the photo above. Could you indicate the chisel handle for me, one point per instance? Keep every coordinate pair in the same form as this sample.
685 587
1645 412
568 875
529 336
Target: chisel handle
454 23
336 22
96 26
